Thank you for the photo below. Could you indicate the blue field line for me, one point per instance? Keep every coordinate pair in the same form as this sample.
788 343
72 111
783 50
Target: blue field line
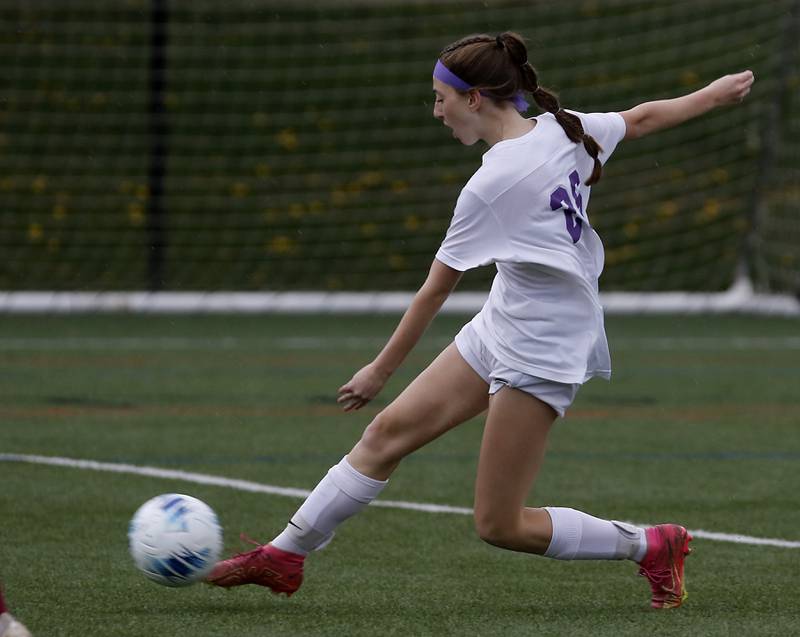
255 487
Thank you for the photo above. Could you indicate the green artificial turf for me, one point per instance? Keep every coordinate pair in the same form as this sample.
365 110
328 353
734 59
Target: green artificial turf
698 426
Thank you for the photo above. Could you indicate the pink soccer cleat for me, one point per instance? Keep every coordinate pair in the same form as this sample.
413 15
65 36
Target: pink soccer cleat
280 571
667 547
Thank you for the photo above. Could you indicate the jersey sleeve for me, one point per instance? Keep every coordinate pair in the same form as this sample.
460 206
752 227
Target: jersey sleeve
607 128
474 237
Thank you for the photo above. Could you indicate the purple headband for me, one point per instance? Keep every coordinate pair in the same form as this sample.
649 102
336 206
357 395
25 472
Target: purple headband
443 74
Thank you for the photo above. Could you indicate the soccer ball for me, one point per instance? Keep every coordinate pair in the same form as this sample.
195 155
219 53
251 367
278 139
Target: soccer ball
175 539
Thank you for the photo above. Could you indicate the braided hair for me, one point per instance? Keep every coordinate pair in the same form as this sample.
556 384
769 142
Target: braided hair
499 67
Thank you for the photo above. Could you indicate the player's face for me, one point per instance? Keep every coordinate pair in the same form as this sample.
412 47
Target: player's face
453 109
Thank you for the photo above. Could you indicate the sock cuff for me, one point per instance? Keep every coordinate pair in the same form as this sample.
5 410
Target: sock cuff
567 532
354 483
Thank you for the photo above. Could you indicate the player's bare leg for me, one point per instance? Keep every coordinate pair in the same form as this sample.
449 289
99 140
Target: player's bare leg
446 394
512 452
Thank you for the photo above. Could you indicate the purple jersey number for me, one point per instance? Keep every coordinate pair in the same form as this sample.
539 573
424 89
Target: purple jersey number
572 206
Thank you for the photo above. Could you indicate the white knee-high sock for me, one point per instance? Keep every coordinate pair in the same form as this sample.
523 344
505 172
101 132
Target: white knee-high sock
341 494
580 536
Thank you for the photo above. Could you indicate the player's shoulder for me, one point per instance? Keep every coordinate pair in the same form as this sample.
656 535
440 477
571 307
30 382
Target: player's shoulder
510 161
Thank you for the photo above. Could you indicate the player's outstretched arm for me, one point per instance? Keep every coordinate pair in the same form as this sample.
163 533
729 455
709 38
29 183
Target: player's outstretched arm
650 117
369 380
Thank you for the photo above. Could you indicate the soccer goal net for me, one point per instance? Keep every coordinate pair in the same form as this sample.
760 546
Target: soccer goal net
254 146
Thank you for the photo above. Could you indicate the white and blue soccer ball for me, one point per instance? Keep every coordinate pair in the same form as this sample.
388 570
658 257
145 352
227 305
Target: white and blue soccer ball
175 539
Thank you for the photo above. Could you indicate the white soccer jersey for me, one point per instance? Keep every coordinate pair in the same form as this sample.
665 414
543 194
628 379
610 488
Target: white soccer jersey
525 211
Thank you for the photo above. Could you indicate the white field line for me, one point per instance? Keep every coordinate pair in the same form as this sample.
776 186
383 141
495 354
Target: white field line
255 487
124 343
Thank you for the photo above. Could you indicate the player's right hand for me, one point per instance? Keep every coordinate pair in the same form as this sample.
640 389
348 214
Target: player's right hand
363 387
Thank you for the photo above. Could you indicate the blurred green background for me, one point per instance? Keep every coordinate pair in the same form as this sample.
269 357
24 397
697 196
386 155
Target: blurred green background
300 150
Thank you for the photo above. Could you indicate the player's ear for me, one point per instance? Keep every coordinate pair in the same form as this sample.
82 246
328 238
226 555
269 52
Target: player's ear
474 98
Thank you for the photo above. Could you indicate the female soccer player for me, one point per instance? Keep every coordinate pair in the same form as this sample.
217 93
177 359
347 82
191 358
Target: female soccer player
539 336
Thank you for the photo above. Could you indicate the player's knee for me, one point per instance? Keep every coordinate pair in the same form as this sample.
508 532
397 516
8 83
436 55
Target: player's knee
495 530
382 437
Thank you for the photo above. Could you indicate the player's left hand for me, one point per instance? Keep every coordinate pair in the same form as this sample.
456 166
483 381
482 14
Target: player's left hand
731 89
363 387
